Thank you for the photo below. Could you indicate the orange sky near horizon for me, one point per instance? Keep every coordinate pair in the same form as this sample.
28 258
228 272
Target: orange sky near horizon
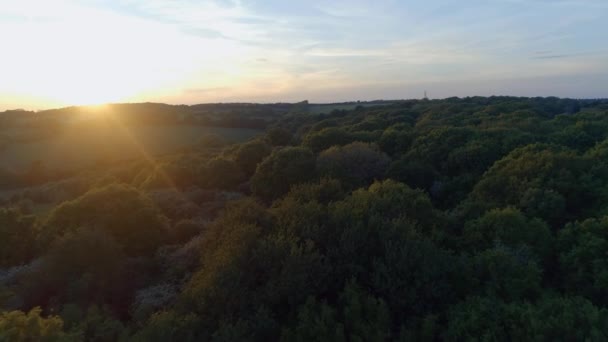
78 52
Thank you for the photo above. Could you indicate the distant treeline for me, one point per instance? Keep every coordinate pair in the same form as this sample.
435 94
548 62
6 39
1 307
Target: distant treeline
221 115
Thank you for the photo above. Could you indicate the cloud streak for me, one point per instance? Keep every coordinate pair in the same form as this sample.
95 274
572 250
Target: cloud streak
275 50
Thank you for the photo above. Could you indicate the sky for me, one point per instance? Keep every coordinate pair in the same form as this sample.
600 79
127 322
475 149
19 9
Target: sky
55 53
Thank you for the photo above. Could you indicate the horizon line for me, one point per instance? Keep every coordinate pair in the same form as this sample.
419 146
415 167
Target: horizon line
296 102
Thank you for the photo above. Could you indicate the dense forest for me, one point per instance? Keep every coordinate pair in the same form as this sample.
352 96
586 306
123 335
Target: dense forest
482 219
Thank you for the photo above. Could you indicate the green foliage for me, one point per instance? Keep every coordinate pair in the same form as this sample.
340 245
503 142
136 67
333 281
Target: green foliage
486 223
326 138
325 191
211 141
356 164
169 326
357 317
316 321
19 326
542 180
282 271
549 319
16 236
260 327
124 213
250 154
281 170
411 273
220 173
176 173
184 230
278 136
303 212
511 228
395 140
93 325
583 260
372 236
436 145
82 268
385 201
413 173
507 273
104 145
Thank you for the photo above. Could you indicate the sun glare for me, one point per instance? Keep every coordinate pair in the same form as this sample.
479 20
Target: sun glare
76 58
99 109
95 97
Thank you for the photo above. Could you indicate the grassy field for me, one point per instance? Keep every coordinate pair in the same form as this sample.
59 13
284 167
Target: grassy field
77 147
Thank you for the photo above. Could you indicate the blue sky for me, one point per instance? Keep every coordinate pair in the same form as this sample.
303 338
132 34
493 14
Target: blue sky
73 52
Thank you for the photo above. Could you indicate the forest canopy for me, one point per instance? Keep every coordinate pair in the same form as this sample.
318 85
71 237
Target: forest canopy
459 219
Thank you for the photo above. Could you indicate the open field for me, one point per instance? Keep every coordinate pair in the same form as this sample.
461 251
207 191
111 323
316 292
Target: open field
75 148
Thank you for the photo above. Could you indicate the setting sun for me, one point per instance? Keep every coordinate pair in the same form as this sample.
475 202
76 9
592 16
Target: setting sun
68 54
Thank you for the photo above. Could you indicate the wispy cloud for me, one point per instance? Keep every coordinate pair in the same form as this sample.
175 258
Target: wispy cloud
211 50
554 55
